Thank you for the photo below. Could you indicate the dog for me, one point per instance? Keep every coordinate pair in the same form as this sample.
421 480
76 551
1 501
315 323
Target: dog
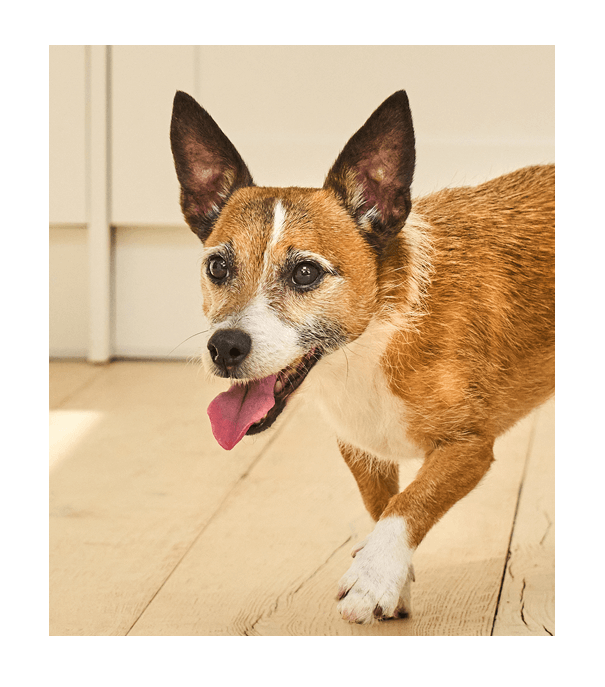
420 328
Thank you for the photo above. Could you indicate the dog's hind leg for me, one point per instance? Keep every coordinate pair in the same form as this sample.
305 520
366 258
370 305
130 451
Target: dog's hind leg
377 480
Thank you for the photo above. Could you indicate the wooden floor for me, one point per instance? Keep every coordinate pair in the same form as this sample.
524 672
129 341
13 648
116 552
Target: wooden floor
155 530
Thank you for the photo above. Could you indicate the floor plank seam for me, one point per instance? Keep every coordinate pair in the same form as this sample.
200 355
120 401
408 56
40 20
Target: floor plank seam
85 385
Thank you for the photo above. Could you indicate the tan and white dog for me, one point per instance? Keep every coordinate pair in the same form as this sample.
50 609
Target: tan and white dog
421 328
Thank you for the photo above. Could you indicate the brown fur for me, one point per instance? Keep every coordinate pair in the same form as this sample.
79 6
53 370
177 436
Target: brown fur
378 481
483 355
314 223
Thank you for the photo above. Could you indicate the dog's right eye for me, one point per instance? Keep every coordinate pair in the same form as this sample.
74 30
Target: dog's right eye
217 269
306 274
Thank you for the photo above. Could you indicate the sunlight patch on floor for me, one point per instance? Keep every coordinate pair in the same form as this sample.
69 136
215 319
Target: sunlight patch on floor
66 430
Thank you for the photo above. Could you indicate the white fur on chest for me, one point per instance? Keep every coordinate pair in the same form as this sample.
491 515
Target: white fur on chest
352 392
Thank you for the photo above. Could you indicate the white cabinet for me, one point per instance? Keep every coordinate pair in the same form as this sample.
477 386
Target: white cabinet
478 111
67 134
144 80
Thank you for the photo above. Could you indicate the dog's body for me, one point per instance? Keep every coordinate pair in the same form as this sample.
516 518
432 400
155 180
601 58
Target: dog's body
425 332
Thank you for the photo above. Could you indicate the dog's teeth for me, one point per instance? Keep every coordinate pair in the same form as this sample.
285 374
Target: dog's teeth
278 386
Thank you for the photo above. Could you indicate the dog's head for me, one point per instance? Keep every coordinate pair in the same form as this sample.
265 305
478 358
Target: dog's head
289 274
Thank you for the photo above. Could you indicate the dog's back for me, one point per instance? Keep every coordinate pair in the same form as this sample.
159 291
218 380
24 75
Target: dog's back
483 354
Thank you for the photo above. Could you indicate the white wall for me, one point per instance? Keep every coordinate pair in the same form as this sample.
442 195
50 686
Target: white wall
478 112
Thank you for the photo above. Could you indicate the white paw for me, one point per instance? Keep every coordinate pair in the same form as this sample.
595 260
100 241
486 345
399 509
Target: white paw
378 583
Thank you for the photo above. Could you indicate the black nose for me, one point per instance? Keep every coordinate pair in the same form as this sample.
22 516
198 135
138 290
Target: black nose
229 347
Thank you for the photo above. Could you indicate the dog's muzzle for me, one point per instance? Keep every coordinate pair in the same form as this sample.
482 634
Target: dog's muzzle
229 348
252 406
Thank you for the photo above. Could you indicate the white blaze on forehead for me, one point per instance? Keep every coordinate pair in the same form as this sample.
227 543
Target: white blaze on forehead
278 223
279 218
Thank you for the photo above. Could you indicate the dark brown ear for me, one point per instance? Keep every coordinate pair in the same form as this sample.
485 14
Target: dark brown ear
208 166
373 174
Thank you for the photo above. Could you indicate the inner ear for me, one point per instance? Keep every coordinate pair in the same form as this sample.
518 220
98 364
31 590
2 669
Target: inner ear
383 180
373 175
208 166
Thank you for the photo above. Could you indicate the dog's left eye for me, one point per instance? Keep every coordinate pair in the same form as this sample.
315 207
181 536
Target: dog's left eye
306 273
217 268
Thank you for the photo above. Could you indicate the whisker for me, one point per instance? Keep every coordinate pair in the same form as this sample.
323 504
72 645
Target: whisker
347 359
187 339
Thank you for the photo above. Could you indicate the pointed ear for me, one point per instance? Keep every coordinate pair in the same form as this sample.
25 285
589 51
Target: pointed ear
373 174
208 166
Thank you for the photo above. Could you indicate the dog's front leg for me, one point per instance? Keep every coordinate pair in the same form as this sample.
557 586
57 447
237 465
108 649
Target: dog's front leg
378 481
377 585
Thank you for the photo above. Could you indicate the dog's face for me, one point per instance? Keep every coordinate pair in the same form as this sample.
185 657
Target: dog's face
289 275
274 269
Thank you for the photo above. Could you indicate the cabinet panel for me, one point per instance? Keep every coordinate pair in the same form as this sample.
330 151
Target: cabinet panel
68 293
67 134
158 301
143 82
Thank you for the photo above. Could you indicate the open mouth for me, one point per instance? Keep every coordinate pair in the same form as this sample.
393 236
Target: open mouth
288 380
252 407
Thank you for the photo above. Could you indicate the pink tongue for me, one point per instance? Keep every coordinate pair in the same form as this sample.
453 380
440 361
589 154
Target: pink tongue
233 412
